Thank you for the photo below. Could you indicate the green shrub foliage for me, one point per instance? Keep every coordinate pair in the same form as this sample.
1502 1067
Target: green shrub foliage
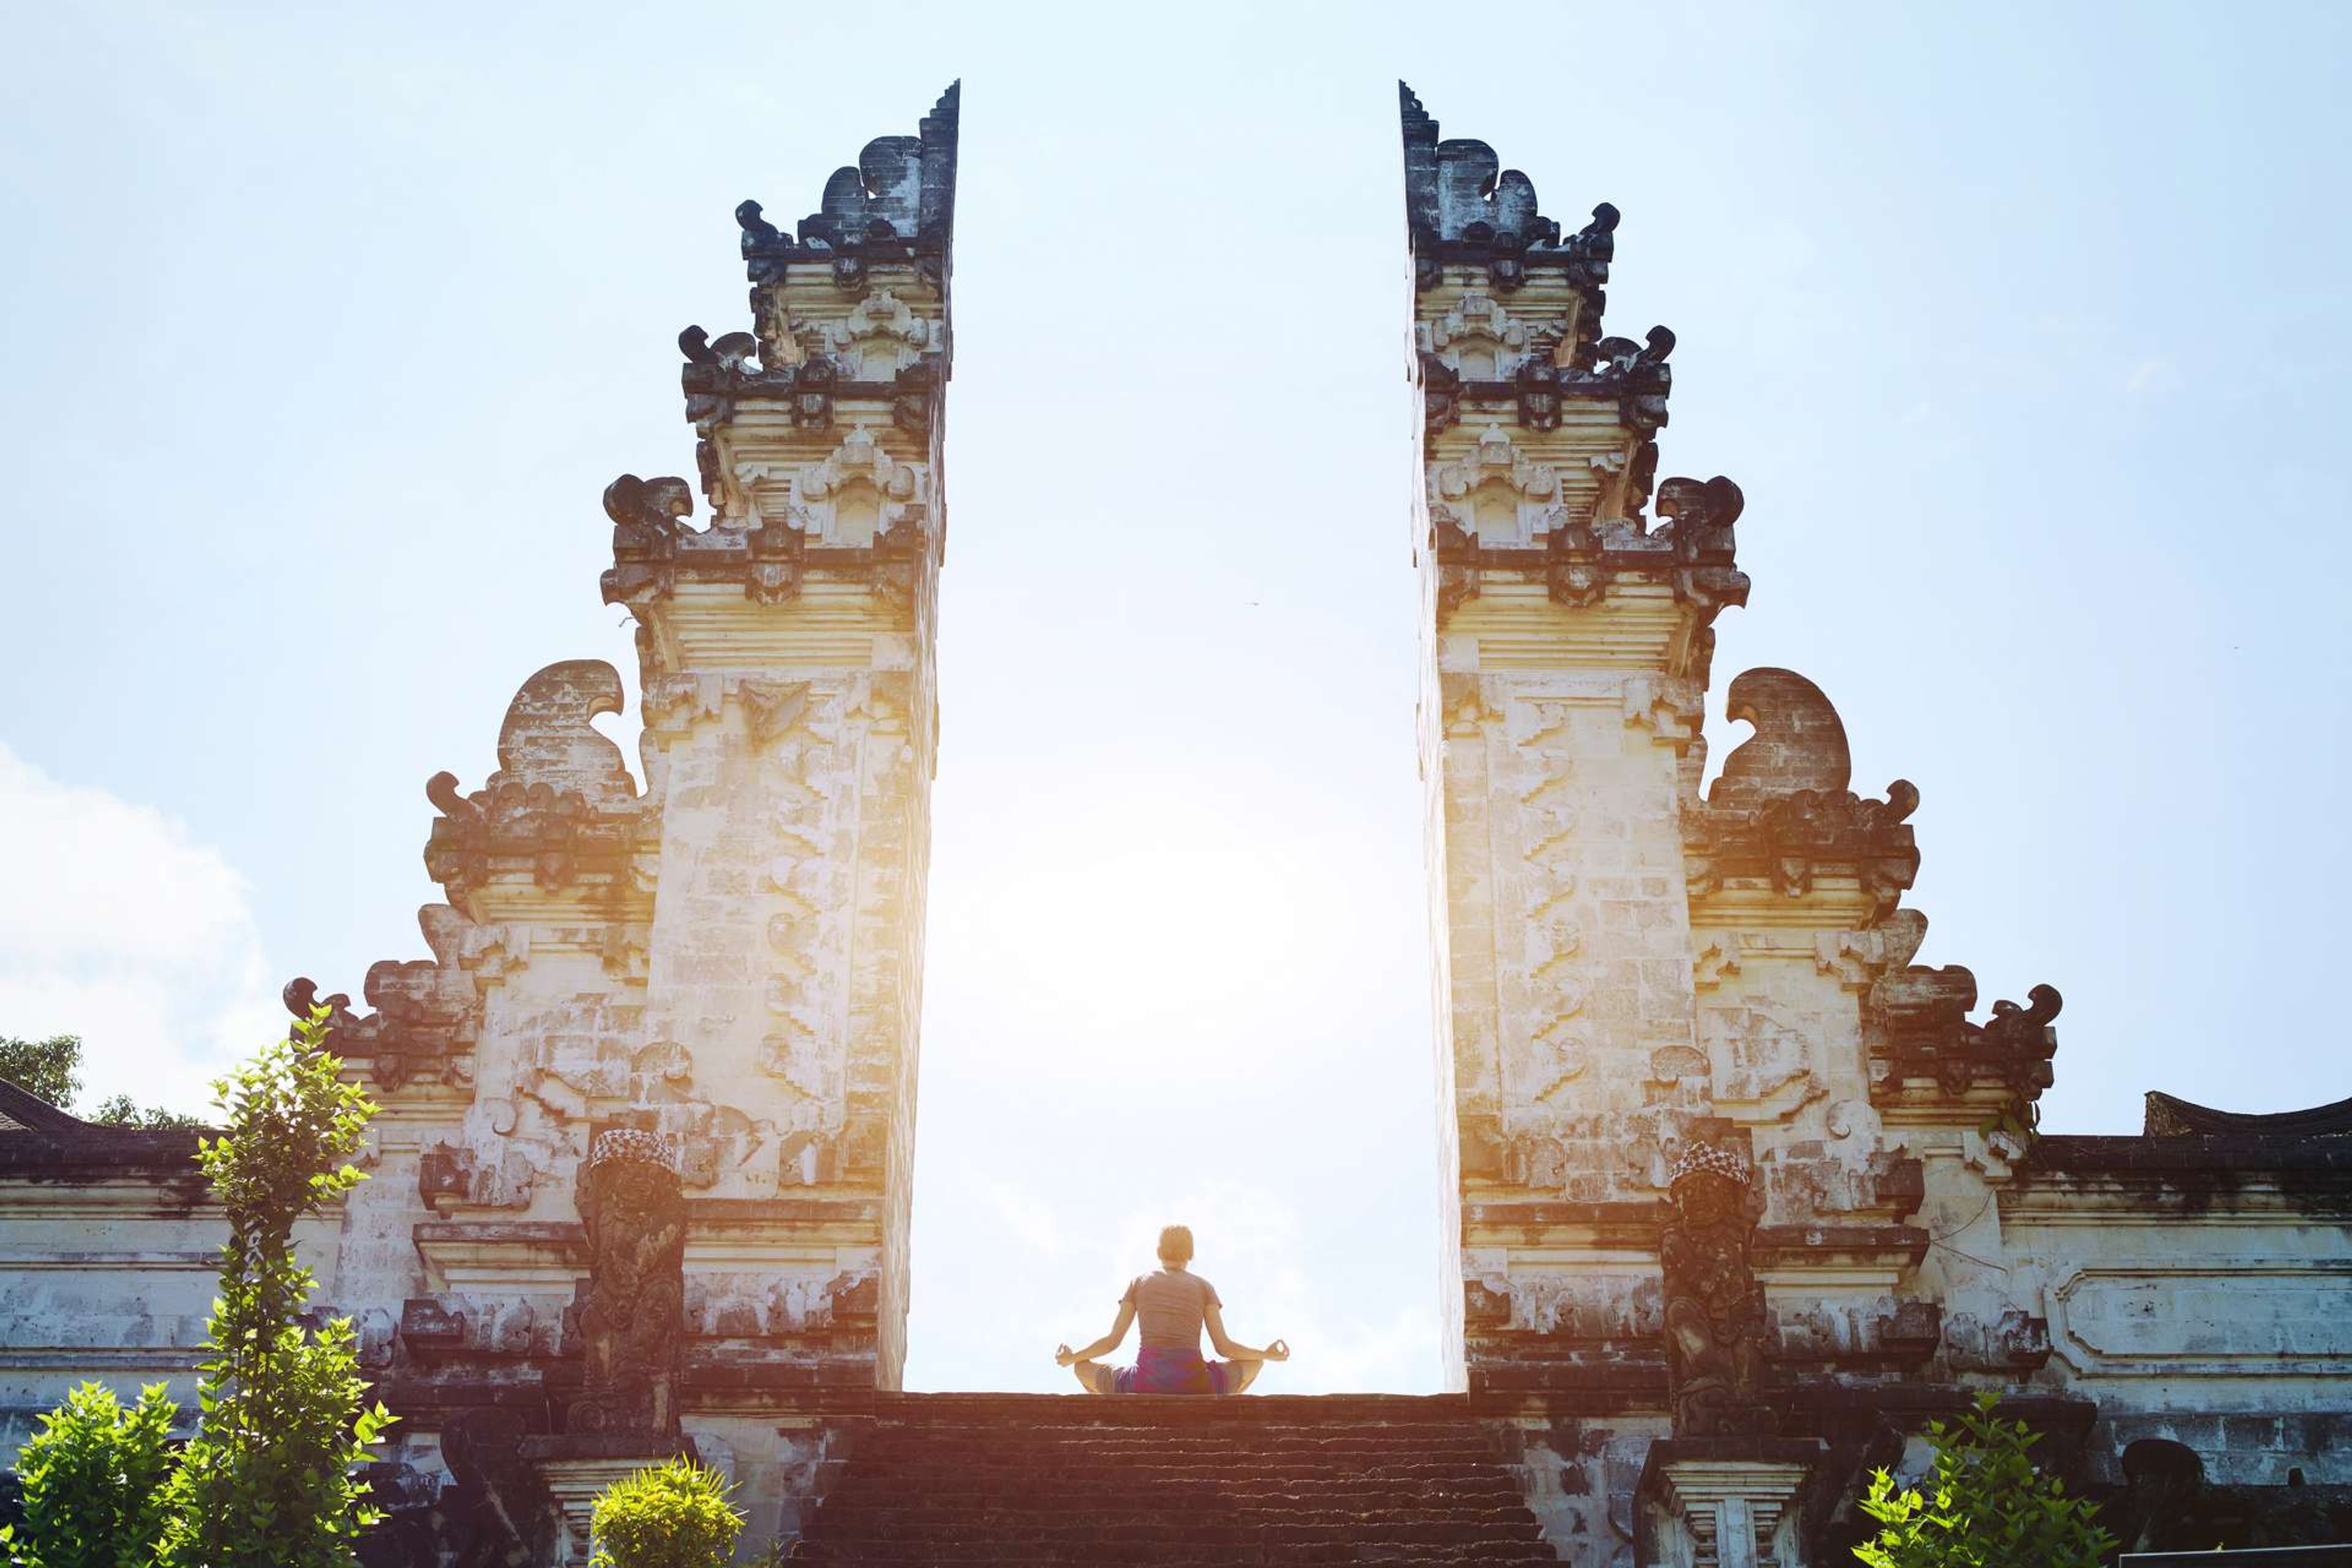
670 1516
1986 1506
268 1481
94 1482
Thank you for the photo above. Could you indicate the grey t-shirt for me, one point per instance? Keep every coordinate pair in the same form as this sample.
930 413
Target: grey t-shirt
1169 1304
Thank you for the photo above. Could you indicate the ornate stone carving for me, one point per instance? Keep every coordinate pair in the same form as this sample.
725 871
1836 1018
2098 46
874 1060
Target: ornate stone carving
1586 267
1480 341
717 379
1639 376
770 708
1496 494
882 336
562 801
915 403
1673 709
427 1012
1698 531
1716 1318
1921 1032
849 512
646 533
634 1324
1858 958
896 205
1463 207
1781 811
856 495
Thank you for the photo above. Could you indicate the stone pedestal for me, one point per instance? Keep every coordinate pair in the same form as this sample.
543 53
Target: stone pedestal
1724 1502
576 1469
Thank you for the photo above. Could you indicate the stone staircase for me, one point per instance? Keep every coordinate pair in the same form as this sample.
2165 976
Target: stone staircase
1044 1479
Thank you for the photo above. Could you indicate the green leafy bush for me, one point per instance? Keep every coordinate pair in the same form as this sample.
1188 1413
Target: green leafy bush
93 1479
268 1482
670 1516
1986 1506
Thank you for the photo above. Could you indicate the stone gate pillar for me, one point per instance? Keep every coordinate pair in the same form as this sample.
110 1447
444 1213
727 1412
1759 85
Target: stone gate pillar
1635 977
1567 639
787 654
725 964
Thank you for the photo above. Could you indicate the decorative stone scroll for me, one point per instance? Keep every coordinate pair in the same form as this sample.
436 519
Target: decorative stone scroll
561 803
1921 1033
1781 811
634 1323
428 1016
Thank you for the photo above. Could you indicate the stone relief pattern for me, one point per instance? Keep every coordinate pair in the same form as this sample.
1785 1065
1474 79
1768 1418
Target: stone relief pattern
427 1012
1620 974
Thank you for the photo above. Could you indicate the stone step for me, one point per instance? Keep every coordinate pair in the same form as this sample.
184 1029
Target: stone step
862 1489
1430 1526
1044 1480
1122 1444
1174 1550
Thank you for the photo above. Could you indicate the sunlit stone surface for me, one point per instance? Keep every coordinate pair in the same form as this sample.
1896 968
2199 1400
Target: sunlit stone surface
1743 1197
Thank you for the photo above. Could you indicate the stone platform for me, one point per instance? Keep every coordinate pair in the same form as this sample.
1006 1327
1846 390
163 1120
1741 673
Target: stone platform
1004 1477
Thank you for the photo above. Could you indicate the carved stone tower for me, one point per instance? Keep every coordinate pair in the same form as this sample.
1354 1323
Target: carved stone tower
730 962
1635 979
1568 643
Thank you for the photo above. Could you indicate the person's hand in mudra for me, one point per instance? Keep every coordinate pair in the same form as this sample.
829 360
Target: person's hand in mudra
1278 1350
1063 1355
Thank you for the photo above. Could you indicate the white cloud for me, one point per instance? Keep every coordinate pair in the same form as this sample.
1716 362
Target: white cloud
115 926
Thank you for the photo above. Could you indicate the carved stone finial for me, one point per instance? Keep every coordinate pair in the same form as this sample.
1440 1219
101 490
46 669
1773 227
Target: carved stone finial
651 507
1461 206
730 355
1641 376
1798 745
757 230
897 198
549 737
562 801
1781 809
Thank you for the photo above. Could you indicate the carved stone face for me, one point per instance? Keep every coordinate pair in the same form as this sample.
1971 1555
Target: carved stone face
1704 1198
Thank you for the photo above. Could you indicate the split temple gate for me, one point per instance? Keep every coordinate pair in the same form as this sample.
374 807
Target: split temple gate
1733 1210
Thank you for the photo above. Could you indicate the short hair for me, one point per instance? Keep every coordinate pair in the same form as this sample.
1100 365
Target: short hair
1176 1243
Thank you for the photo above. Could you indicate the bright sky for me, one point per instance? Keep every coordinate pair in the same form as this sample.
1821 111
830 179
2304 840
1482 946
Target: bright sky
2023 327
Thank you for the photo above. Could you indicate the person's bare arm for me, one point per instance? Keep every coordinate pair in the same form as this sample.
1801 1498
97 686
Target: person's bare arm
1063 1355
1232 1349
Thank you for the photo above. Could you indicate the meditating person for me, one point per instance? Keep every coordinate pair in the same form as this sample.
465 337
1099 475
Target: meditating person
1175 1305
